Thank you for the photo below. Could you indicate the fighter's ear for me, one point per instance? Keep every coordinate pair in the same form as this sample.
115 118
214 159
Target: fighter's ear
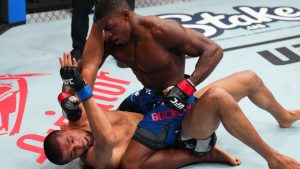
65 127
125 14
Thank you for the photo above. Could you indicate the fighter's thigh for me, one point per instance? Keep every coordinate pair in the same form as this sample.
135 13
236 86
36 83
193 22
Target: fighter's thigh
135 155
238 85
204 118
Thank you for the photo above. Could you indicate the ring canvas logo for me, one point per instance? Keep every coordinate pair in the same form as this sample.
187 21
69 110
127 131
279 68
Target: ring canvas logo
248 18
13 100
108 89
13 96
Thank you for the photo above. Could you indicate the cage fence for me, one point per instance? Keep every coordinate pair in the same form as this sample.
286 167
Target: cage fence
50 14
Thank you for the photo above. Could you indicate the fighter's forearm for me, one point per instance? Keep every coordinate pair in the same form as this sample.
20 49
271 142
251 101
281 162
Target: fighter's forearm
92 55
102 131
89 74
207 62
99 123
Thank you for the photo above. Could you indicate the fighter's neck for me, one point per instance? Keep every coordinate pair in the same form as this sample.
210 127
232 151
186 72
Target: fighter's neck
137 26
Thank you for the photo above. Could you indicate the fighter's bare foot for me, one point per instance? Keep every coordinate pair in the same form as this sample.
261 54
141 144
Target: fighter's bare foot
283 162
216 155
293 116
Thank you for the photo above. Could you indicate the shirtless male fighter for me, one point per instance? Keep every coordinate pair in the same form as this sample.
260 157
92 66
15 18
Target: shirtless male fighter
100 137
155 50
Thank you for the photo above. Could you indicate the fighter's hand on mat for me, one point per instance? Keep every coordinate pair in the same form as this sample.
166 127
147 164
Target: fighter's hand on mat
70 106
177 96
71 76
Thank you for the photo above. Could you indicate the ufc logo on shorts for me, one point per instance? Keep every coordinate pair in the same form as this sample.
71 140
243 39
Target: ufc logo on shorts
68 81
177 104
148 91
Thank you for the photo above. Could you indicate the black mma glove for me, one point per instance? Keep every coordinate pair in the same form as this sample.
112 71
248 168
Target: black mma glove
72 77
177 96
69 105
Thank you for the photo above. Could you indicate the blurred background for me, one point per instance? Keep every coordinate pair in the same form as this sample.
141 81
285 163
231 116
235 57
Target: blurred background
14 12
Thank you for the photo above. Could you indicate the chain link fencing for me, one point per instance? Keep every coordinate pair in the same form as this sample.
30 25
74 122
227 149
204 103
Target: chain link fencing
66 13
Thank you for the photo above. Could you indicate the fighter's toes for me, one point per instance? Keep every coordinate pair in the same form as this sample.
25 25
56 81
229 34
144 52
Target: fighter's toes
235 161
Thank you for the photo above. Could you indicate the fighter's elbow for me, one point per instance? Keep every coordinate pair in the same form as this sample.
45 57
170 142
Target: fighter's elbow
110 139
217 53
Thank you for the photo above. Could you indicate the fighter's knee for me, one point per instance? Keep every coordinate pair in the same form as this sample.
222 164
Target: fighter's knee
216 93
251 78
248 73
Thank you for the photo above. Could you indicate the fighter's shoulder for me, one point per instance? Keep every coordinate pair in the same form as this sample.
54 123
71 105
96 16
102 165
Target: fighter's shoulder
158 26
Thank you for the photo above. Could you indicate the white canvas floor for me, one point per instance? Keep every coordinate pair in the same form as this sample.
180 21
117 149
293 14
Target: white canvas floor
30 81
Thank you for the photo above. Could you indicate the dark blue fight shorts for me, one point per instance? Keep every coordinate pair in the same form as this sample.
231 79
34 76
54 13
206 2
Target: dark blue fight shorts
161 124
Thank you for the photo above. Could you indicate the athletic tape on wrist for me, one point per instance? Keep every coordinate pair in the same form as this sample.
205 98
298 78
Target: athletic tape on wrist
186 87
84 93
190 82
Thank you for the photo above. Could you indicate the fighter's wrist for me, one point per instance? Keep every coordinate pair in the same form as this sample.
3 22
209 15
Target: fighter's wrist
186 87
190 82
79 87
84 93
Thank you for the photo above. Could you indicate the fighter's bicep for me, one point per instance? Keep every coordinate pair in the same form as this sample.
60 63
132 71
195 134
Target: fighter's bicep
188 41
